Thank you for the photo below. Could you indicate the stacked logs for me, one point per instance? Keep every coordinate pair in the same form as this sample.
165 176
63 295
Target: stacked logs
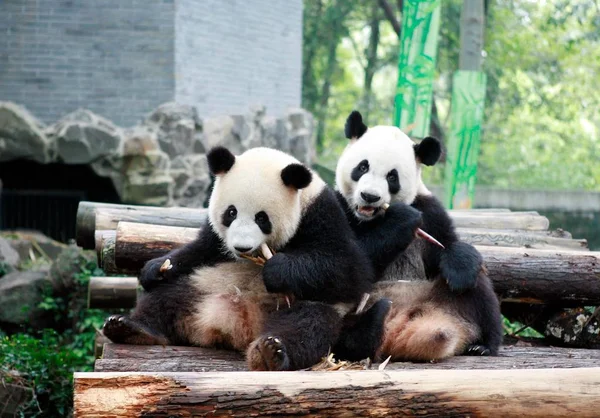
536 272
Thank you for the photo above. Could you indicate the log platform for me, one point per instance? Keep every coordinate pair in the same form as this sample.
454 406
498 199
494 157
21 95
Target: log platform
544 279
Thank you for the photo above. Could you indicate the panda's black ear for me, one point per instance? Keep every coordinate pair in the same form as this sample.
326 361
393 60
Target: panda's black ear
354 128
220 160
428 151
296 176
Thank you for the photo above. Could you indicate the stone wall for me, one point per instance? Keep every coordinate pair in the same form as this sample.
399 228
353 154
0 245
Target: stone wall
121 59
161 160
114 57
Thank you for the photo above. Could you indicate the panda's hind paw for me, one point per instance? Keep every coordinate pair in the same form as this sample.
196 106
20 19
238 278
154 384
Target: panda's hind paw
477 350
268 353
122 330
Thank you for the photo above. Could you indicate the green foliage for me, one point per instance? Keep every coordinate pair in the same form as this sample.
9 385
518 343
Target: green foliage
541 124
518 329
46 365
45 360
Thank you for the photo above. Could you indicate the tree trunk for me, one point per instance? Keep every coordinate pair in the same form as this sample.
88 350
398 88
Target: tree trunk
472 24
372 62
534 392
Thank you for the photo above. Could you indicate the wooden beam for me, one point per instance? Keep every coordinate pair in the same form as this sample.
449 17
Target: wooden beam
112 292
137 243
131 358
519 274
544 276
95 216
434 393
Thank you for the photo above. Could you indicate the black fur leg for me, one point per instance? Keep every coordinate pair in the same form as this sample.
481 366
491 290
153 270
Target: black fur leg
269 354
121 329
362 334
460 265
477 350
307 331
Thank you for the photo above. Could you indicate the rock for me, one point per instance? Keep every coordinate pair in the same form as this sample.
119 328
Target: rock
9 257
22 135
178 128
161 160
219 130
82 137
192 180
67 265
23 242
20 294
152 190
300 138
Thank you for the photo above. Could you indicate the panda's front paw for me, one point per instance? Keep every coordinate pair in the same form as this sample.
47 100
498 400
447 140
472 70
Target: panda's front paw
276 272
460 265
404 216
157 271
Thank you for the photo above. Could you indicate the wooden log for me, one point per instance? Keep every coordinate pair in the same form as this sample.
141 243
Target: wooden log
544 276
92 216
112 292
513 220
99 343
525 239
137 243
519 274
476 393
129 358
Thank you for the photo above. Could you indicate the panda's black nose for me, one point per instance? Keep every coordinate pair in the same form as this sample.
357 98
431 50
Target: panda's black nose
243 249
369 198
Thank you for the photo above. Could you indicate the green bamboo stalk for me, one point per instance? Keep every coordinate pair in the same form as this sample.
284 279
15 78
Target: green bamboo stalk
468 100
416 65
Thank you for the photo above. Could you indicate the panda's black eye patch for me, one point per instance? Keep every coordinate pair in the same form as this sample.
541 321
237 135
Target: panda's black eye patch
393 181
361 169
229 215
263 222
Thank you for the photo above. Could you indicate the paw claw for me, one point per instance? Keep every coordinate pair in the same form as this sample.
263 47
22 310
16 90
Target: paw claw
272 353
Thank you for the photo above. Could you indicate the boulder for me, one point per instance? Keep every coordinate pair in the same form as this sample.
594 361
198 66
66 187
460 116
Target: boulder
82 137
192 180
178 128
69 263
9 257
24 241
22 135
153 190
20 294
300 139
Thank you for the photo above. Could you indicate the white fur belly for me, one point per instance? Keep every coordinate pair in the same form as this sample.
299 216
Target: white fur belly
234 305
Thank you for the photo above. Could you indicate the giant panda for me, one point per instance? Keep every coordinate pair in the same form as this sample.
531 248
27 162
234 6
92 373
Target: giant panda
208 294
455 311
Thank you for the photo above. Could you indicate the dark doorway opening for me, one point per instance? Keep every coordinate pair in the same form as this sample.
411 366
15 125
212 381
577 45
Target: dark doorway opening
44 197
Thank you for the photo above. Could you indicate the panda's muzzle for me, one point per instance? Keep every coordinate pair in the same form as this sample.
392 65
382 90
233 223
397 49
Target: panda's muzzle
243 250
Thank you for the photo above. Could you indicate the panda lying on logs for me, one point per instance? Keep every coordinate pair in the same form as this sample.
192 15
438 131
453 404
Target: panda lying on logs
378 180
207 294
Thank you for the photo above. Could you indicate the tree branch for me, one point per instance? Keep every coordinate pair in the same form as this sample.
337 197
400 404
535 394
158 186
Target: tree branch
389 14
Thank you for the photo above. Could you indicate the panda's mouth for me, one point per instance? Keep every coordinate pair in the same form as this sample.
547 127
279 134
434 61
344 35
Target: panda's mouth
367 211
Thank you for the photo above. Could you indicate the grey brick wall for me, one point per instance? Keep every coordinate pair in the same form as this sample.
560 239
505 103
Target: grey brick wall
233 53
122 58
114 57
